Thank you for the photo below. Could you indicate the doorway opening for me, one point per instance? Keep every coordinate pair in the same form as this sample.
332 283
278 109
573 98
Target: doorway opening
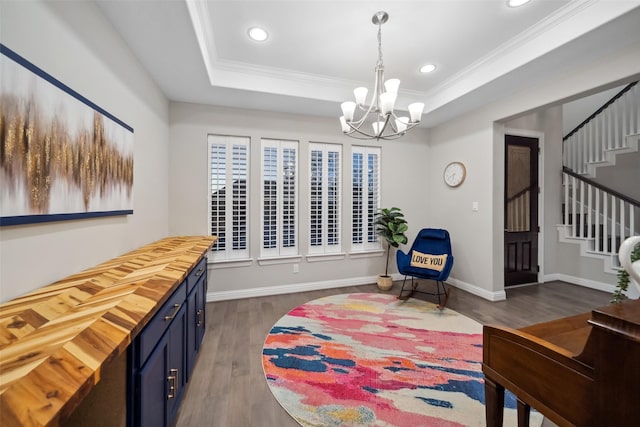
521 228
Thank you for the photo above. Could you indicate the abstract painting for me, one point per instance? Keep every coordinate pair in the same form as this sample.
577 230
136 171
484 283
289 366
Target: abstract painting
62 157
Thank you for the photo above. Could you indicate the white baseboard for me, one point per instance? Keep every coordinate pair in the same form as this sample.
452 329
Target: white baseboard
475 290
329 284
293 288
605 287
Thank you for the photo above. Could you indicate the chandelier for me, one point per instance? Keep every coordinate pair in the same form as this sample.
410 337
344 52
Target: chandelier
377 119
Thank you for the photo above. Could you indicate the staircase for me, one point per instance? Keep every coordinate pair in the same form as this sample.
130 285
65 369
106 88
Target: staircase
612 130
596 217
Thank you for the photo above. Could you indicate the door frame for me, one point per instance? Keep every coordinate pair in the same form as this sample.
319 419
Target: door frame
541 220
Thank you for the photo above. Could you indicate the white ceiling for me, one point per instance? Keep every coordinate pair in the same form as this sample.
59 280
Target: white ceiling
318 51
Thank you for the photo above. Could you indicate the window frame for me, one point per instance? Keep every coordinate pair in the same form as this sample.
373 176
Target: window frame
325 248
229 253
279 215
370 241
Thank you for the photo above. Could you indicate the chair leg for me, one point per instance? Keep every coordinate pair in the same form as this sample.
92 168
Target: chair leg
404 297
442 305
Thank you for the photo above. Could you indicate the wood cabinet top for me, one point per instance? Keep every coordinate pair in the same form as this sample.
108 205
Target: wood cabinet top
54 341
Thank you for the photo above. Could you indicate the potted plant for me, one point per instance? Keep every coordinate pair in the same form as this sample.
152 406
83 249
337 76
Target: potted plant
390 225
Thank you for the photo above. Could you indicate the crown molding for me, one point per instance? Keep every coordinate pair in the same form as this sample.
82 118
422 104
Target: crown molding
580 16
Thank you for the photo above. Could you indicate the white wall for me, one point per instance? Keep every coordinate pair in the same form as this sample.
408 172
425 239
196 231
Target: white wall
624 176
477 139
403 184
73 42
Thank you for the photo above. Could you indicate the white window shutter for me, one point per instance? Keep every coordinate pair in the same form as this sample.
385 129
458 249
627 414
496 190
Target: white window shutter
229 194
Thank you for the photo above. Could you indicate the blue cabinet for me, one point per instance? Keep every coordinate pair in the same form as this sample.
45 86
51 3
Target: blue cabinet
161 357
196 313
160 379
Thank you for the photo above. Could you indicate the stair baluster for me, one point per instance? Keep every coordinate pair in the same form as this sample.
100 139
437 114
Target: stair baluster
613 129
597 217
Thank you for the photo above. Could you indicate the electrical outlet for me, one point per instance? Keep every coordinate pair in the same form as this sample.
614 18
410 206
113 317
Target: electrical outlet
296 268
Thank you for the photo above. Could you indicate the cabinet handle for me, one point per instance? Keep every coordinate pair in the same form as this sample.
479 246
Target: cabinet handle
199 272
199 314
176 307
173 380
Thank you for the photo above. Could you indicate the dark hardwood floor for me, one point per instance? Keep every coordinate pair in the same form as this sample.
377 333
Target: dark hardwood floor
228 388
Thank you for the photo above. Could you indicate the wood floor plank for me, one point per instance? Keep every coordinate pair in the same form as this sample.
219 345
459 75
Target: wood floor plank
228 388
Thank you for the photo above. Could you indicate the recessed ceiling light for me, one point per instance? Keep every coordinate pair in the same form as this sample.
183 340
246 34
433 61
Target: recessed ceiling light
258 34
517 3
427 68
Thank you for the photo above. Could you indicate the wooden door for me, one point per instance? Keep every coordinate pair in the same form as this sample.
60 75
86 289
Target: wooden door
521 210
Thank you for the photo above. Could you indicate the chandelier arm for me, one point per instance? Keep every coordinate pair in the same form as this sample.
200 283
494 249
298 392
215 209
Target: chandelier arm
363 118
391 137
412 125
386 123
357 130
392 123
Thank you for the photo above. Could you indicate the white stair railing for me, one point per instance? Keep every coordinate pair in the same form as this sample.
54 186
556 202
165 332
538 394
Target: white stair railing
603 217
615 127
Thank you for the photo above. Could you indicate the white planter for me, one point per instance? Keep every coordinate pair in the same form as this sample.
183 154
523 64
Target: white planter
624 255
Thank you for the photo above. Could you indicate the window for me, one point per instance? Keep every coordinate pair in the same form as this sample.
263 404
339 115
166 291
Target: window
324 194
279 198
365 198
228 172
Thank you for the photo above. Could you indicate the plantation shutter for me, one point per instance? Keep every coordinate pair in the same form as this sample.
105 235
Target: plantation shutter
229 177
365 198
324 190
279 198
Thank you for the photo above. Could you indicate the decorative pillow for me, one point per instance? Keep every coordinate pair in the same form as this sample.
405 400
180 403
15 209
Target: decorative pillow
432 262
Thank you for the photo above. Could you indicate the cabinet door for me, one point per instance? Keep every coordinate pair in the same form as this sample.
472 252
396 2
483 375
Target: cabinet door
201 312
176 372
191 330
152 388
195 322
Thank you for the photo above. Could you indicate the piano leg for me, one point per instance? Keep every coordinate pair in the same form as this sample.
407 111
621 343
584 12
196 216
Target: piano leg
494 400
523 413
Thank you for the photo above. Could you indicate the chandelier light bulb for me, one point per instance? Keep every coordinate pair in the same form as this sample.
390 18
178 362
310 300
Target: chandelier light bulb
387 100
415 111
343 123
392 85
348 109
378 127
401 123
361 95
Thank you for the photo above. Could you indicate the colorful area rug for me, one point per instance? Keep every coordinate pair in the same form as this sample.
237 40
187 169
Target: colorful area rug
372 360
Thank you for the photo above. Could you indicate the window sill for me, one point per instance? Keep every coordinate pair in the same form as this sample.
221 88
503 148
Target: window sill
366 254
229 263
279 260
325 257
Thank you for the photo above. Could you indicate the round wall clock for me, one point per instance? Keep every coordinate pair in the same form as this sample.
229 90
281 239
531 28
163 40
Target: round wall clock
454 174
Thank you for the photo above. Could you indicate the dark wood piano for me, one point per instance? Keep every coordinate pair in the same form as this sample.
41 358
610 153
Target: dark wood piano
581 370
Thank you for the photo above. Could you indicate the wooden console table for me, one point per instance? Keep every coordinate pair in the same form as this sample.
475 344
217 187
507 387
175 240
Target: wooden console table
55 341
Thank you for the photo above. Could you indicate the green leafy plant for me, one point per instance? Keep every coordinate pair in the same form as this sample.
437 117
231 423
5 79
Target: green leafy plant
391 225
620 293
